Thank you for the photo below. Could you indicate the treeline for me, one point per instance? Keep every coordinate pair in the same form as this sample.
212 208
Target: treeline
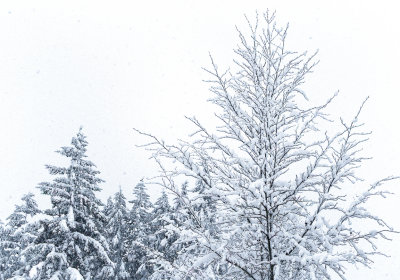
79 237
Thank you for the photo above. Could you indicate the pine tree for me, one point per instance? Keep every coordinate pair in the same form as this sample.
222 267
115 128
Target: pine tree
181 197
170 229
3 254
18 234
117 233
108 208
163 236
71 240
138 265
204 204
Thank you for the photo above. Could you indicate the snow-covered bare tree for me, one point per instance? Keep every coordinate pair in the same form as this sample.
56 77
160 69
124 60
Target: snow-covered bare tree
277 180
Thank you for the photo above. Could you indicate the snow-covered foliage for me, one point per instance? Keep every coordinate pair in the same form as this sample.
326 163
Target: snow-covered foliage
164 236
270 201
138 264
18 233
80 238
3 255
117 233
70 238
266 193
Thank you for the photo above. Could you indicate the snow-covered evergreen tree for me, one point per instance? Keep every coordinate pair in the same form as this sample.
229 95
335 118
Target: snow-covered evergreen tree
204 204
117 234
2 250
138 265
181 197
163 236
71 241
160 216
17 235
109 207
141 202
276 179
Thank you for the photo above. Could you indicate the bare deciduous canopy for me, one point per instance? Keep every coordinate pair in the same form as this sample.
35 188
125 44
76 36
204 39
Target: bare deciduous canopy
276 178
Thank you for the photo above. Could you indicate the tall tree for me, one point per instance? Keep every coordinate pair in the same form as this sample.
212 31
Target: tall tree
138 265
71 241
277 179
117 234
163 236
109 207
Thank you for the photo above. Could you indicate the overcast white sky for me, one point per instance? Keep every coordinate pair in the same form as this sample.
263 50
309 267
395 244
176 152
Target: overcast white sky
117 65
